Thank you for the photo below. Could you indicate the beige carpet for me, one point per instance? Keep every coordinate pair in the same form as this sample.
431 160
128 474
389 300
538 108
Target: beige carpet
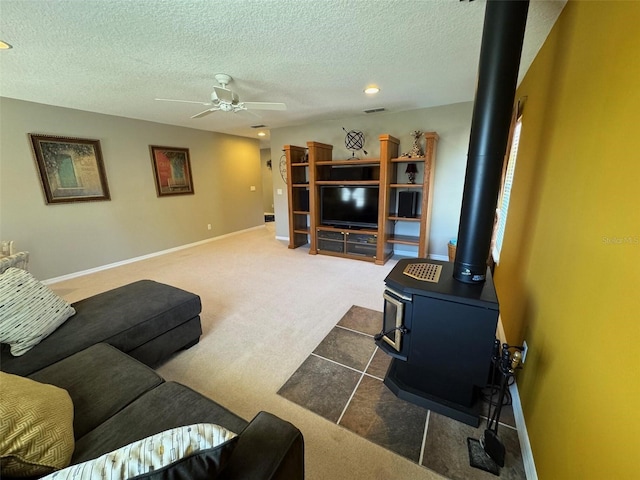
265 308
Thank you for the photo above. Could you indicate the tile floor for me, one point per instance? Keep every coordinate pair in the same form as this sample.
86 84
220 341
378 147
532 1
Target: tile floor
342 380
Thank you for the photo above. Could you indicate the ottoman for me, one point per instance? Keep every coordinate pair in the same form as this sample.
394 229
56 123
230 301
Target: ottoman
147 320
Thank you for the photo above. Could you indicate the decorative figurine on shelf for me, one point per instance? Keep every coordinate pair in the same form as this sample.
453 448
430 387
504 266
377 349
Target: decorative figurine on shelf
411 171
415 150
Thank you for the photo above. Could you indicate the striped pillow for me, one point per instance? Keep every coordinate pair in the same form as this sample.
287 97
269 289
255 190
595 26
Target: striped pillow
29 311
200 450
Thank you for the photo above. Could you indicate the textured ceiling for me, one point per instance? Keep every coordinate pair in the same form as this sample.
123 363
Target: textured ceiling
117 56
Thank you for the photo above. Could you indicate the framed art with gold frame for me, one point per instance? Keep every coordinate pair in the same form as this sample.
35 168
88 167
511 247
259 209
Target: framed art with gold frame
71 169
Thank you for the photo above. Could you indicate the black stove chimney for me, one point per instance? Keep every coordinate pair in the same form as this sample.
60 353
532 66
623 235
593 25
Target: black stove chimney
502 38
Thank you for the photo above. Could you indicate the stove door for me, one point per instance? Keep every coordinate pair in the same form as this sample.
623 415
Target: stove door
396 324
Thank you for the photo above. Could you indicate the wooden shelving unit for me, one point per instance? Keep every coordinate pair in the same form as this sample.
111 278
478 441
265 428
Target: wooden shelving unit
311 168
396 167
298 195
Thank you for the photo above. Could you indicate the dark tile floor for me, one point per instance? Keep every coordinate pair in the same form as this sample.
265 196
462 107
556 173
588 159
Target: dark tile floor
342 380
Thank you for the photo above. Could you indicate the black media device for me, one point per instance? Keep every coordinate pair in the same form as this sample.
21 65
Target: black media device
407 204
349 207
304 200
346 174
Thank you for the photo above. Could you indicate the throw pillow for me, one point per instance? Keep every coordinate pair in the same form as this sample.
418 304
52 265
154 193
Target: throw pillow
194 451
36 427
29 311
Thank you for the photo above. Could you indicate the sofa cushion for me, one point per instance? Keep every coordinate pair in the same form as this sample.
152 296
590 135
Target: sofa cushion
101 381
29 311
197 451
167 406
36 427
125 317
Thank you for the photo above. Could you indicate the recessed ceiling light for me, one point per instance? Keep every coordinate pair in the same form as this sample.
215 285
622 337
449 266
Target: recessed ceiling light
371 90
4 45
261 134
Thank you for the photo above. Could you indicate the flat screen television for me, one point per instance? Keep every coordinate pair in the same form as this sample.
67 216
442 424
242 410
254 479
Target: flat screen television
351 207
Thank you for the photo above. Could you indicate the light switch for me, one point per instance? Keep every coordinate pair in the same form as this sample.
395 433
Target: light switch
279 191
253 188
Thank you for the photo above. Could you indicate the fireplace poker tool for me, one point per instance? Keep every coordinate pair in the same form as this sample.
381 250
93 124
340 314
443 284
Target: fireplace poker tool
489 453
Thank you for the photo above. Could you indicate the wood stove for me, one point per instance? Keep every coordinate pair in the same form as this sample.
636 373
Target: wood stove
441 340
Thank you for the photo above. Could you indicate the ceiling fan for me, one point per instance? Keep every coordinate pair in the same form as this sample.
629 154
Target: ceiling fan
227 101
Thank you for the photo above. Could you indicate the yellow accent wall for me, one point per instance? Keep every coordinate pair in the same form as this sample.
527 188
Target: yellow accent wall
569 275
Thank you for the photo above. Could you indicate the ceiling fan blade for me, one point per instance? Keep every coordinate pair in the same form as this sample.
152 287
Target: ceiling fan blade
183 101
250 112
206 112
264 106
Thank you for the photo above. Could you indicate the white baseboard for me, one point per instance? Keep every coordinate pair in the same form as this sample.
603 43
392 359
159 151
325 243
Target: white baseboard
523 436
143 257
284 239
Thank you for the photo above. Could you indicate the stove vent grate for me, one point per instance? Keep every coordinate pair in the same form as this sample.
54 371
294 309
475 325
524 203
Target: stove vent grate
427 272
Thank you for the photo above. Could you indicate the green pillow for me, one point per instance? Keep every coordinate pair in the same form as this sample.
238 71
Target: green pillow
36 431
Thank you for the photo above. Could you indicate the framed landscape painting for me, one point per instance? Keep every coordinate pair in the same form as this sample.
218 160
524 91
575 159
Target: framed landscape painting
71 169
172 170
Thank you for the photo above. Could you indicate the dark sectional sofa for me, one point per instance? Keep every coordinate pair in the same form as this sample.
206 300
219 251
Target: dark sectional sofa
103 357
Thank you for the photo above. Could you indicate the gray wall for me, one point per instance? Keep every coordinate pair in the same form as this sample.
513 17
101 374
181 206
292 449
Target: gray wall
67 238
451 122
267 180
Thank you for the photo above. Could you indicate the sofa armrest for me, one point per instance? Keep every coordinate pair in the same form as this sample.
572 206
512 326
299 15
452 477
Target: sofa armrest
269 448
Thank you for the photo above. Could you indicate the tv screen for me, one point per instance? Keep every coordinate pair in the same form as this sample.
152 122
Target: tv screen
349 206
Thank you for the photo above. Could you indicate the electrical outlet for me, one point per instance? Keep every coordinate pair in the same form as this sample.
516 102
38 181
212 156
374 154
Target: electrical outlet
208 226
525 347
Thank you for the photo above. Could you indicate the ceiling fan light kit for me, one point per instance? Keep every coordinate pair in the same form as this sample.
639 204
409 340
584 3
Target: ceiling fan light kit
225 100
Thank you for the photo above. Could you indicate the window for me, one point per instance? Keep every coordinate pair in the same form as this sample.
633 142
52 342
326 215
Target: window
505 194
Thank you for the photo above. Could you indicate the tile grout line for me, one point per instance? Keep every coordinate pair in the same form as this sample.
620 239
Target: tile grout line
354 331
424 437
356 387
338 363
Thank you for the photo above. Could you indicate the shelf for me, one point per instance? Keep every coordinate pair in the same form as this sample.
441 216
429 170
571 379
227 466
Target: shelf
365 231
406 185
404 219
407 160
311 169
348 182
358 161
404 240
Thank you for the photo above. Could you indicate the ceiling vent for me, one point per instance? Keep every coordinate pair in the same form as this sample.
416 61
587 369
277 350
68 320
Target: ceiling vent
258 126
374 110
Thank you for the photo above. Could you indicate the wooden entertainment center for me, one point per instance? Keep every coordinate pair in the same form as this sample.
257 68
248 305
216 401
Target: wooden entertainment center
311 168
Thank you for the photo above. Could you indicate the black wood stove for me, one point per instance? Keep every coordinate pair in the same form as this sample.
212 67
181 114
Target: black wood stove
440 318
440 332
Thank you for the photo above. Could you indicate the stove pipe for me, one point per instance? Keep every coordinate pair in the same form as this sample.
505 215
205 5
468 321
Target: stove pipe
502 38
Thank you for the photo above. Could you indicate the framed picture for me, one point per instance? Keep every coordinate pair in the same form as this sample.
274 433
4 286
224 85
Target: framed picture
172 170
71 169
